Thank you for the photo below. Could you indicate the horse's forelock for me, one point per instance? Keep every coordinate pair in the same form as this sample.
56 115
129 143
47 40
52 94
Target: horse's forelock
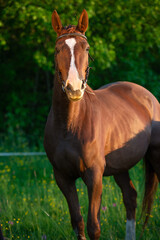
69 29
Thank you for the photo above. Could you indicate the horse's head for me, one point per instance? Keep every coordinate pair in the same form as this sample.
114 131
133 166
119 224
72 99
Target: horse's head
71 55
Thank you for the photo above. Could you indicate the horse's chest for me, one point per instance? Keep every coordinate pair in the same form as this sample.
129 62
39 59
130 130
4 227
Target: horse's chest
66 157
73 156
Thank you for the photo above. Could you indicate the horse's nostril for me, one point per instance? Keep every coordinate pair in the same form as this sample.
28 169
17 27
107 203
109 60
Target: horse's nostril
63 83
69 87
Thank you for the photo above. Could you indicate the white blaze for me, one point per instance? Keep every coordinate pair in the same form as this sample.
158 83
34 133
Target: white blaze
73 76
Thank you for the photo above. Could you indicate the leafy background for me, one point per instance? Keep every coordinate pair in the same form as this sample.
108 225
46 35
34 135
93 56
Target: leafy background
125 42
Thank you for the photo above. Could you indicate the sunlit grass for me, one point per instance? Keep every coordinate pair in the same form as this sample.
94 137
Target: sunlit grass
32 206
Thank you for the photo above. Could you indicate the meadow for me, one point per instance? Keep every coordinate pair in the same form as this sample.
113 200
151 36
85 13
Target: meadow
32 206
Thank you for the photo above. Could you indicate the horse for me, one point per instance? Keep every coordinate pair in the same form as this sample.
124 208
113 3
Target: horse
95 133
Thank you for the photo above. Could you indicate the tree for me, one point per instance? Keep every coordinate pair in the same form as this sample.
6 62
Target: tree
125 42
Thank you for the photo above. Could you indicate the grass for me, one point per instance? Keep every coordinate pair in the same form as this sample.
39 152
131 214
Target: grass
32 206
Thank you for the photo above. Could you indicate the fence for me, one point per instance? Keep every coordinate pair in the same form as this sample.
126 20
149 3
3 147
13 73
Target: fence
9 154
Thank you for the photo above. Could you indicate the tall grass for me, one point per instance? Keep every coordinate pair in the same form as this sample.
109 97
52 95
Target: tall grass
32 206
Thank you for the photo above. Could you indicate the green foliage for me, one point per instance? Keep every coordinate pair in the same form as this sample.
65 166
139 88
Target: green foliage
125 42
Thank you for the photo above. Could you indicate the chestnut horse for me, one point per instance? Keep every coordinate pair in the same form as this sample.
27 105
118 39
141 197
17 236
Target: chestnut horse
91 134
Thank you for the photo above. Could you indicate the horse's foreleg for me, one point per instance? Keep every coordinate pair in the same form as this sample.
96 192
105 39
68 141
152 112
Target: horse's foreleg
93 180
129 198
68 188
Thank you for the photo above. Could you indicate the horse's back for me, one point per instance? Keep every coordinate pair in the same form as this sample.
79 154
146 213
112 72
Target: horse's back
132 95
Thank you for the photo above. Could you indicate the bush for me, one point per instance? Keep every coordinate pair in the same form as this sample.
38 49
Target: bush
125 43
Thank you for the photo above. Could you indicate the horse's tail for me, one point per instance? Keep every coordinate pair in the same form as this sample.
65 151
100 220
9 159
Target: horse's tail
151 183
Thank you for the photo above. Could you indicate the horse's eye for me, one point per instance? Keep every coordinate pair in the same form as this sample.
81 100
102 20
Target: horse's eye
87 49
57 50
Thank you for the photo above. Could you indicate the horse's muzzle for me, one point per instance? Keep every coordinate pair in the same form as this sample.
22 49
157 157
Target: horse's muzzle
73 95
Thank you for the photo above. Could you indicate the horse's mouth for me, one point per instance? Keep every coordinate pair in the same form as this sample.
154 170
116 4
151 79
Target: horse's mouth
74 95
75 99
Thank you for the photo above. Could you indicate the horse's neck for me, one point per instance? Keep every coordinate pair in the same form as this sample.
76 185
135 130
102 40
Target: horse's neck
66 113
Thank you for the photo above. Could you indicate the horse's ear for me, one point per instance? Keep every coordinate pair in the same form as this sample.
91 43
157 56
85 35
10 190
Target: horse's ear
83 22
56 22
